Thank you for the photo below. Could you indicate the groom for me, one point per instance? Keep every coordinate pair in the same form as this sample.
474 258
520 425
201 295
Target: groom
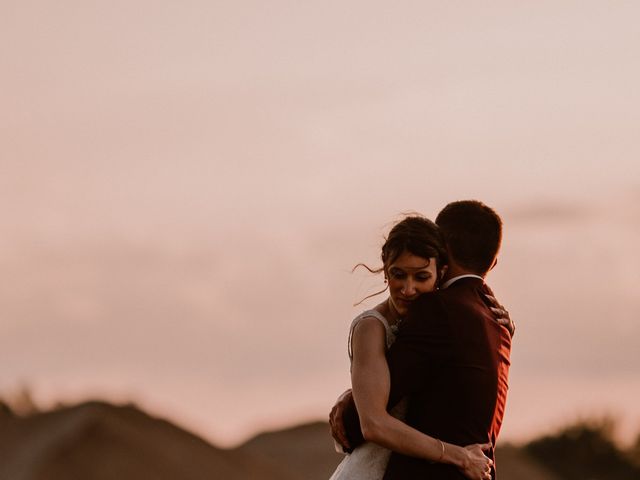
450 357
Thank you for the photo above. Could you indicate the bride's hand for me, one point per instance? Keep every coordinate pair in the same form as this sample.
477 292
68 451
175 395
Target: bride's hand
501 313
477 466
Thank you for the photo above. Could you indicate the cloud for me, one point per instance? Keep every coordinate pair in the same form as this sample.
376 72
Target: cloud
548 211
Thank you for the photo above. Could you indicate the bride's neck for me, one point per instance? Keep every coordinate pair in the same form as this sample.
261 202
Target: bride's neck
390 313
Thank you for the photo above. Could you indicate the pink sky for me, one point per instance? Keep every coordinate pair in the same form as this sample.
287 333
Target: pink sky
185 187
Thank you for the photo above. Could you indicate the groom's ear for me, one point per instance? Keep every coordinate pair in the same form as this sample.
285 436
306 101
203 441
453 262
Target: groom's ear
443 272
495 262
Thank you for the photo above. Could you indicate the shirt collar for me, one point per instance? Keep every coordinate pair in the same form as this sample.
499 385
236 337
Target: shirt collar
450 282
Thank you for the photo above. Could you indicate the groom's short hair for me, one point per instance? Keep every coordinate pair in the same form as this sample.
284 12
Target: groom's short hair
473 233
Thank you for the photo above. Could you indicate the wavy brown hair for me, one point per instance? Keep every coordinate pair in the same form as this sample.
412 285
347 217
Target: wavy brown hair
414 234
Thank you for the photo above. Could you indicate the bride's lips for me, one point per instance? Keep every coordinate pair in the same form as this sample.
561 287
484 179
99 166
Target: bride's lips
405 302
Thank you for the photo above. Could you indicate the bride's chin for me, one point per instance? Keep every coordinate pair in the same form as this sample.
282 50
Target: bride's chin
402 307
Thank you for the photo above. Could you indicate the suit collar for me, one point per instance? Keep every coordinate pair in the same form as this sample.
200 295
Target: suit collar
451 281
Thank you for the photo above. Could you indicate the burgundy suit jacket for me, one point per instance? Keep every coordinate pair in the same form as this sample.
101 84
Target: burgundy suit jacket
451 359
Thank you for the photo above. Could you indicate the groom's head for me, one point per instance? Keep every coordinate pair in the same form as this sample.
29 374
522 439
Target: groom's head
473 233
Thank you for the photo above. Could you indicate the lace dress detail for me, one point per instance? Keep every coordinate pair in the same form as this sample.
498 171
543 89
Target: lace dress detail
391 331
369 460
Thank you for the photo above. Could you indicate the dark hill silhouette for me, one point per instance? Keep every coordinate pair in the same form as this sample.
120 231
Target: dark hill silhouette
99 441
514 463
586 450
301 452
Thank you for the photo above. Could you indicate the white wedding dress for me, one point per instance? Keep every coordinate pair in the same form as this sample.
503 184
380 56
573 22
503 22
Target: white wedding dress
369 460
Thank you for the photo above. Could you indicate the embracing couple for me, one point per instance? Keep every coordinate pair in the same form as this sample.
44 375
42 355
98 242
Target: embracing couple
429 365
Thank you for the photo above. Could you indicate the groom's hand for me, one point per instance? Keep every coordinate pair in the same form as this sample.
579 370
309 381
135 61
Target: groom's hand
336 422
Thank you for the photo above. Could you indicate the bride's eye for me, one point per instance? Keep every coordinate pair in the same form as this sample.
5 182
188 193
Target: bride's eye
397 274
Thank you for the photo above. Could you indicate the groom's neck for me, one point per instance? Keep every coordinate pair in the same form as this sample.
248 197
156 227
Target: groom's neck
455 270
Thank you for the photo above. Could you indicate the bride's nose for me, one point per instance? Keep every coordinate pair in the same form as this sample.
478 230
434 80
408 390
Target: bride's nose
408 288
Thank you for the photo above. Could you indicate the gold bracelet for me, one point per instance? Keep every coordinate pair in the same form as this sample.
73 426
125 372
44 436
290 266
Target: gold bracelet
442 454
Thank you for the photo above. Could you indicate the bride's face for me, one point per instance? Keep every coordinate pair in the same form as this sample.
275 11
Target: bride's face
408 277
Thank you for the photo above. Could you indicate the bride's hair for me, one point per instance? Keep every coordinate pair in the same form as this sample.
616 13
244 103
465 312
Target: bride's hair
414 234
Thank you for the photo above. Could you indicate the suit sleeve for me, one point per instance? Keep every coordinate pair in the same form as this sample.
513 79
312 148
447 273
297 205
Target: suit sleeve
351 421
421 347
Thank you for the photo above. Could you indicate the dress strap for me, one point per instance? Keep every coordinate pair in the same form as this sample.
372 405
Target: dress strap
378 316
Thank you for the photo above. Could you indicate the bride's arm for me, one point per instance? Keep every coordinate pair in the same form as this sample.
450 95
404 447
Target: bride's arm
371 382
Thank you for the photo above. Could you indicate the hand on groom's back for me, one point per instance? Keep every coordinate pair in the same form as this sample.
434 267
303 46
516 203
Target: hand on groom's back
336 421
501 313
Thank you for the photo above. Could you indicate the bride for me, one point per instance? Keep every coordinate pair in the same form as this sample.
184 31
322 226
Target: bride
414 260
